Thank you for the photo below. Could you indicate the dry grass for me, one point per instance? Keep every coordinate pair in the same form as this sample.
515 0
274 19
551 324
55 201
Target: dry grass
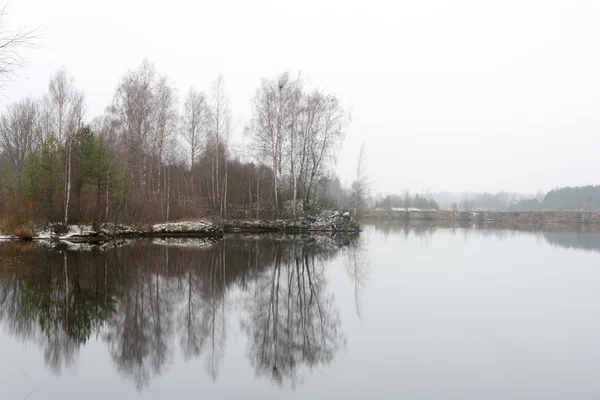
22 232
18 218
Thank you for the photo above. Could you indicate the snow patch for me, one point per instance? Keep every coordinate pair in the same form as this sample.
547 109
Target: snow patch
186 226
184 242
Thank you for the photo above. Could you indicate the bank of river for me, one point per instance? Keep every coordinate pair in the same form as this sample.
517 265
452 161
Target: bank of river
522 217
325 221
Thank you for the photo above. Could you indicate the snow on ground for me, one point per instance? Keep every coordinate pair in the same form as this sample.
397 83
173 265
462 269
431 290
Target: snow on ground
184 242
72 231
186 226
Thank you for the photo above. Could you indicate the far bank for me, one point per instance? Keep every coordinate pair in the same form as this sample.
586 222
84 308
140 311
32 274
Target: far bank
534 217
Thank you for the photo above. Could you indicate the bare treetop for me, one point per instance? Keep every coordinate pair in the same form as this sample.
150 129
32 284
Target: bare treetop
12 43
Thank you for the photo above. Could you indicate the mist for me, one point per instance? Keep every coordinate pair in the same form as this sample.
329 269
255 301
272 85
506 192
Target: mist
460 96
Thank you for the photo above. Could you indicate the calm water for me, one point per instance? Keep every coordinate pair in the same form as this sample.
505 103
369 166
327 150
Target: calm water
412 313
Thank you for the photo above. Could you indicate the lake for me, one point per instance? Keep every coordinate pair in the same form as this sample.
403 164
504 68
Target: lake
417 312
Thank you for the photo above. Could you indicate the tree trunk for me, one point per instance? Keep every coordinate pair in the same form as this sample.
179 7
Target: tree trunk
293 172
68 182
107 188
217 190
257 195
192 169
168 188
276 185
225 192
213 200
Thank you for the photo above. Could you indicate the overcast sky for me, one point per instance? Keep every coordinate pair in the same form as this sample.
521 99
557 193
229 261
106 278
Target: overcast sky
449 95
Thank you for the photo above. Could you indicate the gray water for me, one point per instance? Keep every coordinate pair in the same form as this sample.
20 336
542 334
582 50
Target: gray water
399 312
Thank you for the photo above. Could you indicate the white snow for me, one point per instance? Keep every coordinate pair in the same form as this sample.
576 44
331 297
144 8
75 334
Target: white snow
72 230
184 242
186 226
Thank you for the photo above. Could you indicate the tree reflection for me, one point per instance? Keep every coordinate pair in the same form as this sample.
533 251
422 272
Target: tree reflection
358 271
147 299
138 333
51 302
291 319
577 236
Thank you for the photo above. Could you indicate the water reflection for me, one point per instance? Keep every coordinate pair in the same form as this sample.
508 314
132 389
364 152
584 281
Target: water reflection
46 300
291 318
579 236
358 268
280 307
147 300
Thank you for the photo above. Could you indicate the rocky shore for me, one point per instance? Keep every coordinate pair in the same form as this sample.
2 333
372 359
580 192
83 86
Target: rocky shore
111 232
325 221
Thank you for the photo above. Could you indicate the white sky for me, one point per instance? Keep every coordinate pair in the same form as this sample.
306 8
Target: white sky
449 95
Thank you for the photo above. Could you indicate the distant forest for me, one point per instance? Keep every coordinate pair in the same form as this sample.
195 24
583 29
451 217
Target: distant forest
392 201
586 198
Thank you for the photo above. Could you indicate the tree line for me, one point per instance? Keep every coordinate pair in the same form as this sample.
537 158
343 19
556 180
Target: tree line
479 201
578 198
407 201
151 157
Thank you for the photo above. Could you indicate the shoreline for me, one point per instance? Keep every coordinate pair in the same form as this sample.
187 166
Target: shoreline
505 217
325 222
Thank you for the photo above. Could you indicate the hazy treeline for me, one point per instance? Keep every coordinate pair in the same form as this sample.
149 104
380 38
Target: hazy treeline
483 201
568 198
449 201
156 154
585 198
406 201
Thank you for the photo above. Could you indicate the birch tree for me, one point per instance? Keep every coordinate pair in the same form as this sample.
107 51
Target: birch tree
12 42
132 113
194 124
295 110
65 111
360 186
144 116
325 133
19 136
219 130
166 123
269 128
296 132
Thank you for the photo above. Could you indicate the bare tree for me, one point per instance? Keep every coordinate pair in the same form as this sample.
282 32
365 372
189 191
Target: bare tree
11 44
296 132
132 113
269 127
295 109
220 131
360 186
65 110
324 136
194 123
166 121
59 94
19 134
144 118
